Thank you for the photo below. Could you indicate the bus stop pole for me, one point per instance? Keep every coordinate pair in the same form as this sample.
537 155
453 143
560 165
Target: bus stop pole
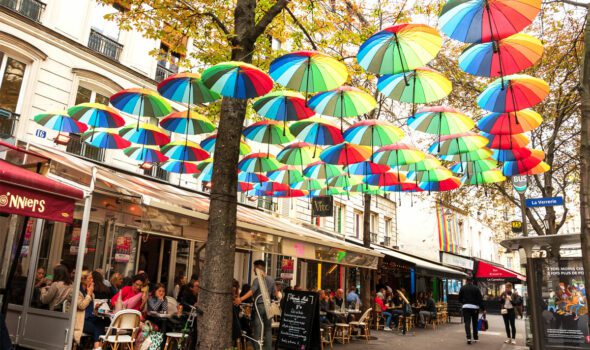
534 307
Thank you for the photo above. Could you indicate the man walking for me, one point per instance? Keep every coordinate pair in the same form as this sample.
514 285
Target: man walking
472 301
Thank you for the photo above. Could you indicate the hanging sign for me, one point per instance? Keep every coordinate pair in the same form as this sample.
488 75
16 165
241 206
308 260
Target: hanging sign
516 226
544 202
322 206
37 204
520 183
300 322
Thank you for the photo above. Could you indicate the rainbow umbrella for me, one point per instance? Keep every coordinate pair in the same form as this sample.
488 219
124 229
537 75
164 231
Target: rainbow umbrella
289 193
286 175
478 154
506 141
458 143
205 169
327 191
144 134
539 169
510 123
61 122
400 48
307 185
385 179
366 168
141 103
258 163
345 154
187 122
521 166
499 58
343 181
484 177
440 121
96 115
475 166
208 144
476 21
366 189
237 80
316 131
298 153
145 154
402 187
342 102
321 171
105 138
509 155
437 174
245 186
513 93
186 151
251 177
427 163
373 132
398 154
308 71
267 131
283 106
271 186
421 85
186 87
180 167
449 184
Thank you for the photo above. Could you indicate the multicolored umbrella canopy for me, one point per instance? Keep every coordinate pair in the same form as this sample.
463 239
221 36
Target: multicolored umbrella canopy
258 163
478 154
284 106
237 80
60 121
475 166
398 154
186 87
251 177
476 21
521 166
96 115
270 132
458 144
208 144
421 85
449 184
308 71
373 132
385 179
317 131
342 102
366 168
180 167
440 121
206 170
105 138
344 181
484 177
307 185
506 141
187 122
145 154
345 154
510 123
321 171
402 187
245 186
437 174
327 191
141 103
399 48
298 153
513 93
429 162
510 155
286 175
539 169
364 188
498 58
186 151
271 186
144 134
290 193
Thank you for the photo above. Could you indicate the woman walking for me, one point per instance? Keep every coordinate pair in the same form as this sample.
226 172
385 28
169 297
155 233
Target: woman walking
508 313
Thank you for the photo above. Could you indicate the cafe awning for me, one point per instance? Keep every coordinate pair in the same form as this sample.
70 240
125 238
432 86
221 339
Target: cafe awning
426 267
491 272
27 193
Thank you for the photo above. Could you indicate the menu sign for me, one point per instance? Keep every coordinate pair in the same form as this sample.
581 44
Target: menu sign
300 322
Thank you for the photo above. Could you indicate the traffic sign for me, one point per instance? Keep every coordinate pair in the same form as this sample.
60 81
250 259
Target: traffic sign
520 183
516 226
544 202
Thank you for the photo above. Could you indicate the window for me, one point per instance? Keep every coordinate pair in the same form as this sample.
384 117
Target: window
28 8
358 223
509 263
374 222
101 25
339 218
12 72
387 227
167 62
88 95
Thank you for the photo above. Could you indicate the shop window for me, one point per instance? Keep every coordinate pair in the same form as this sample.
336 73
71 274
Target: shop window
123 249
10 228
12 72
71 242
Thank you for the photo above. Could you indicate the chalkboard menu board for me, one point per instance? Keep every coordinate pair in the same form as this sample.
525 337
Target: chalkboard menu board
300 322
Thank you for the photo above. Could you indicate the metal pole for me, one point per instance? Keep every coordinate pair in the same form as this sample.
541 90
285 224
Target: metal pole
534 307
525 232
80 261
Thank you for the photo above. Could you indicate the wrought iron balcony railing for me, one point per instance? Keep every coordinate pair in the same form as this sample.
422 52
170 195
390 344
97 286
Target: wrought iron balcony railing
79 147
28 8
104 45
8 122
163 72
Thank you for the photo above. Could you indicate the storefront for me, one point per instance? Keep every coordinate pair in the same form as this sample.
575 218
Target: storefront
491 279
452 286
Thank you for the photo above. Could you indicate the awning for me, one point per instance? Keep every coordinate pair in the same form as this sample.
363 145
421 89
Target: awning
427 267
492 272
27 193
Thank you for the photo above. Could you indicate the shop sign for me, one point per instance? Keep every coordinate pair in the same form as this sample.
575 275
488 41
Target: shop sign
287 269
19 201
516 226
455 260
564 306
322 206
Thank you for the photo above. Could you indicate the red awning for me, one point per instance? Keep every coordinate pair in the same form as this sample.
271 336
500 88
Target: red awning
493 272
27 193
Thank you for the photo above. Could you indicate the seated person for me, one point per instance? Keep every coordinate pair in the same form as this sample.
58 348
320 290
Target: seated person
158 303
101 290
429 310
324 308
132 296
86 321
381 308
189 295
59 291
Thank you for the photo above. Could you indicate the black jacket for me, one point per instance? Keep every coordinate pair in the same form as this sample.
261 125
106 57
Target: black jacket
470 294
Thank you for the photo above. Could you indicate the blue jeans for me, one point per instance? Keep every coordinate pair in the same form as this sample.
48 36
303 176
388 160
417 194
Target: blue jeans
387 316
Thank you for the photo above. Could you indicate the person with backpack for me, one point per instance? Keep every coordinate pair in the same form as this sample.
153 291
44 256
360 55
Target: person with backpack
472 300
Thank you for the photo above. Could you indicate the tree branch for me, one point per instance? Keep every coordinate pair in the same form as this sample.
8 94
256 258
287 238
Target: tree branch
268 17
309 38
570 2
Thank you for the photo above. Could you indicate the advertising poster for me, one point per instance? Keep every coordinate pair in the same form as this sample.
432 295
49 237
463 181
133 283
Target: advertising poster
565 308
287 269
123 249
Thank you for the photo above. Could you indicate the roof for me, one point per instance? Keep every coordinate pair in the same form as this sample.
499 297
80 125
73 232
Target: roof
486 270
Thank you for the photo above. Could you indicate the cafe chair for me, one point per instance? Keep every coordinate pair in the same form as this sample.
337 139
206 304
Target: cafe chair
379 320
179 337
123 330
327 338
342 333
409 320
362 325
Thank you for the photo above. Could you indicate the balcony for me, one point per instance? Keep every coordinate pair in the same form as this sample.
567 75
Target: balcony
29 8
374 237
8 122
386 241
156 172
267 204
163 72
104 45
78 147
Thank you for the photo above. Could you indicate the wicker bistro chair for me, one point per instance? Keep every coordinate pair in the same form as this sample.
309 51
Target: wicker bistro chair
362 325
378 319
123 330
327 338
342 332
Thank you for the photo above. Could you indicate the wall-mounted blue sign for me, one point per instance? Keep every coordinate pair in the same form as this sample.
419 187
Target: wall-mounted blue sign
544 202
41 133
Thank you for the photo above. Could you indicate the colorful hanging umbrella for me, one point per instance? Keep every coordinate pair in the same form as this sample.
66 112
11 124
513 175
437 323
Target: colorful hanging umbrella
298 153
186 87
270 132
436 174
345 154
499 58
60 121
271 186
385 179
290 193
400 48
321 171
510 123
180 167
373 132
440 121
141 103
421 85
475 166
509 155
317 131
398 154
458 144
484 177
187 122
285 106
186 151
245 186
342 102
208 144
367 189
327 191
96 115
478 154
286 175
513 93
237 80
251 177
366 168
205 169
258 163
308 71
105 138
343 181
145 154
539 169
476 21
144 134
427 163
307 185
506 141
521 166
402 187
441 186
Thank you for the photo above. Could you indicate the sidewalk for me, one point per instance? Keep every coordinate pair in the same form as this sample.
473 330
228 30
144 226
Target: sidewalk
446 337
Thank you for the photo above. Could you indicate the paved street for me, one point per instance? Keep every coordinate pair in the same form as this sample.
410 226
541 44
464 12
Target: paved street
449 336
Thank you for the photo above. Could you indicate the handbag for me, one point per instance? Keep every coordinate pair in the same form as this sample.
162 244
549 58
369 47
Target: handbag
482 324
504 311
152 339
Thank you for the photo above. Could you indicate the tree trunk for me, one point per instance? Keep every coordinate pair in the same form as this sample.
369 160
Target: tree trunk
585 155
366 273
